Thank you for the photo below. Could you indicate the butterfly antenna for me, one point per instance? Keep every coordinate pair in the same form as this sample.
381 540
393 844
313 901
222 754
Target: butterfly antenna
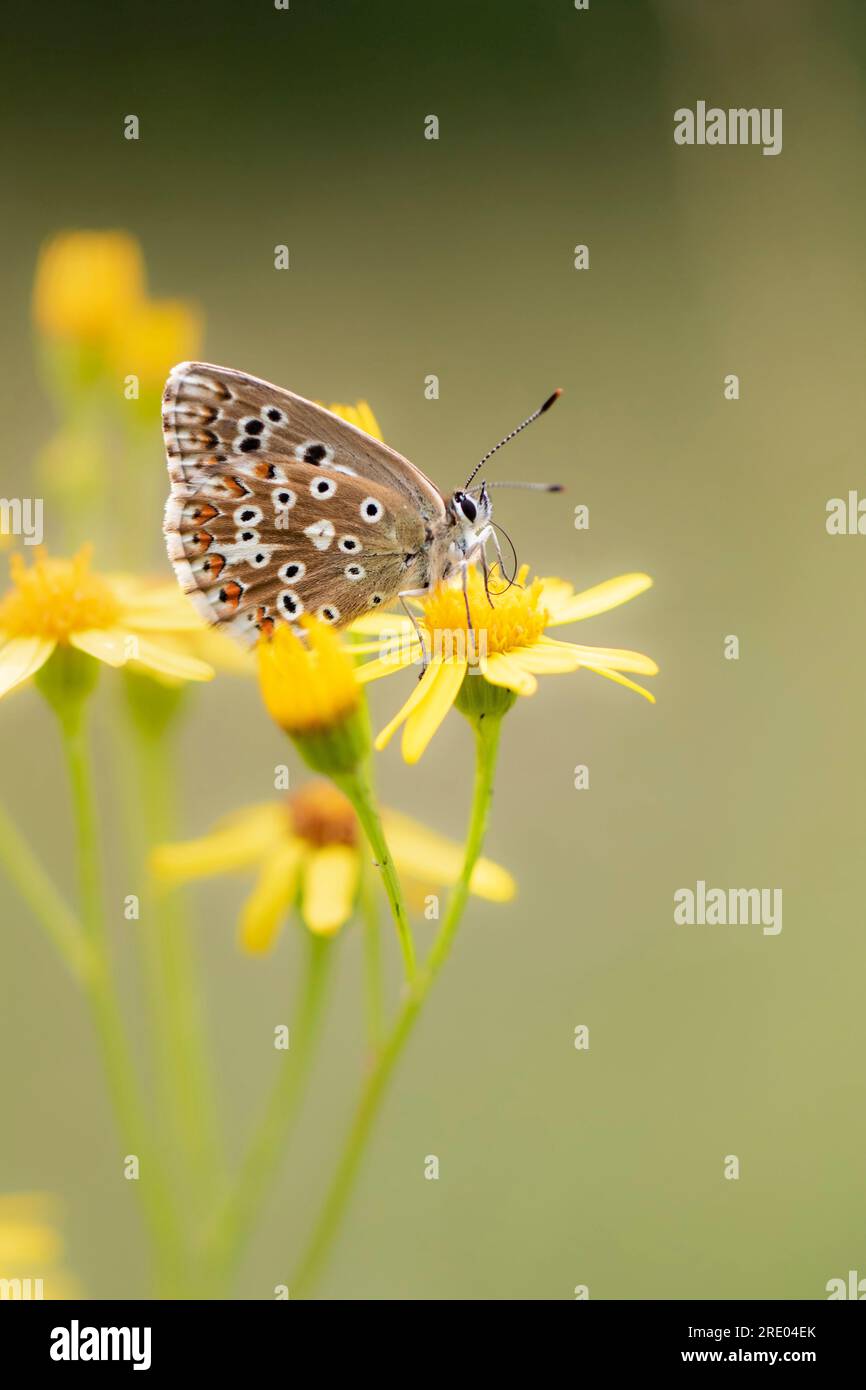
522 426
531 487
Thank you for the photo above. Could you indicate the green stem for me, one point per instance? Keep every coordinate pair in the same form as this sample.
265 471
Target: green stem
184 1074
238 1216
43 899
357 786
487 730
373 993
105 1009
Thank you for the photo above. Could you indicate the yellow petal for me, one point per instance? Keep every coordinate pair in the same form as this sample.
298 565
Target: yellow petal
368 421
149 616
546 658
506 669
489 880
378 624
151 605
241 840
373 647
20 658
554 592
622 680
117 646
153 335
426 717
264 909
359 415
329 888
419 693
599 599
386 665
381 646
168 661
112 645
614 658
86 282
430 858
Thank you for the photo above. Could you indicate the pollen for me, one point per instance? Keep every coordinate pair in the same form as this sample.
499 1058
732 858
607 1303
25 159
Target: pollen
511 617
322 815
56 598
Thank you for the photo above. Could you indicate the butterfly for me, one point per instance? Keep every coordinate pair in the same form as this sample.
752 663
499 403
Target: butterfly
279 508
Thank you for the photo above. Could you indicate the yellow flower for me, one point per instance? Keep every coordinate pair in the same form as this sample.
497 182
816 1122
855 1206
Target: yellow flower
197 637
31 1249
153 336
508 646
360 415
85 283
308 686
308 851
63 603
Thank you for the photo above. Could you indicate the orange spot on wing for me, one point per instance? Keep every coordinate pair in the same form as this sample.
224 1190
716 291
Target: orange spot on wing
214 565
231 594
199 541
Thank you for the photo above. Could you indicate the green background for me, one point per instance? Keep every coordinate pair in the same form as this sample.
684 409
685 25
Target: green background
411 257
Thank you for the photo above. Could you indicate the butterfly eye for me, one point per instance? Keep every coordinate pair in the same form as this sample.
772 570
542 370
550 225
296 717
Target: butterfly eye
468 508
295 569
371 510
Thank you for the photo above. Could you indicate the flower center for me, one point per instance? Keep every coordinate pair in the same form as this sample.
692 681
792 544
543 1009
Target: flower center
515 619
322 815
56 598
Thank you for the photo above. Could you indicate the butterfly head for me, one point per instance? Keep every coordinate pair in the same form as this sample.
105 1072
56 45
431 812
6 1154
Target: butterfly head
470 512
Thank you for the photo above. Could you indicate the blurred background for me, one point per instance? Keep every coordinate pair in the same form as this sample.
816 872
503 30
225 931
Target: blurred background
454 257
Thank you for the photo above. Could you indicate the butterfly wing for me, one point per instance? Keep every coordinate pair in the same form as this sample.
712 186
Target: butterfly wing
279 507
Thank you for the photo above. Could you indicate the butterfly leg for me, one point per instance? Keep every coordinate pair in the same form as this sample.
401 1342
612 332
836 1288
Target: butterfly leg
465 568
485 570
425 660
